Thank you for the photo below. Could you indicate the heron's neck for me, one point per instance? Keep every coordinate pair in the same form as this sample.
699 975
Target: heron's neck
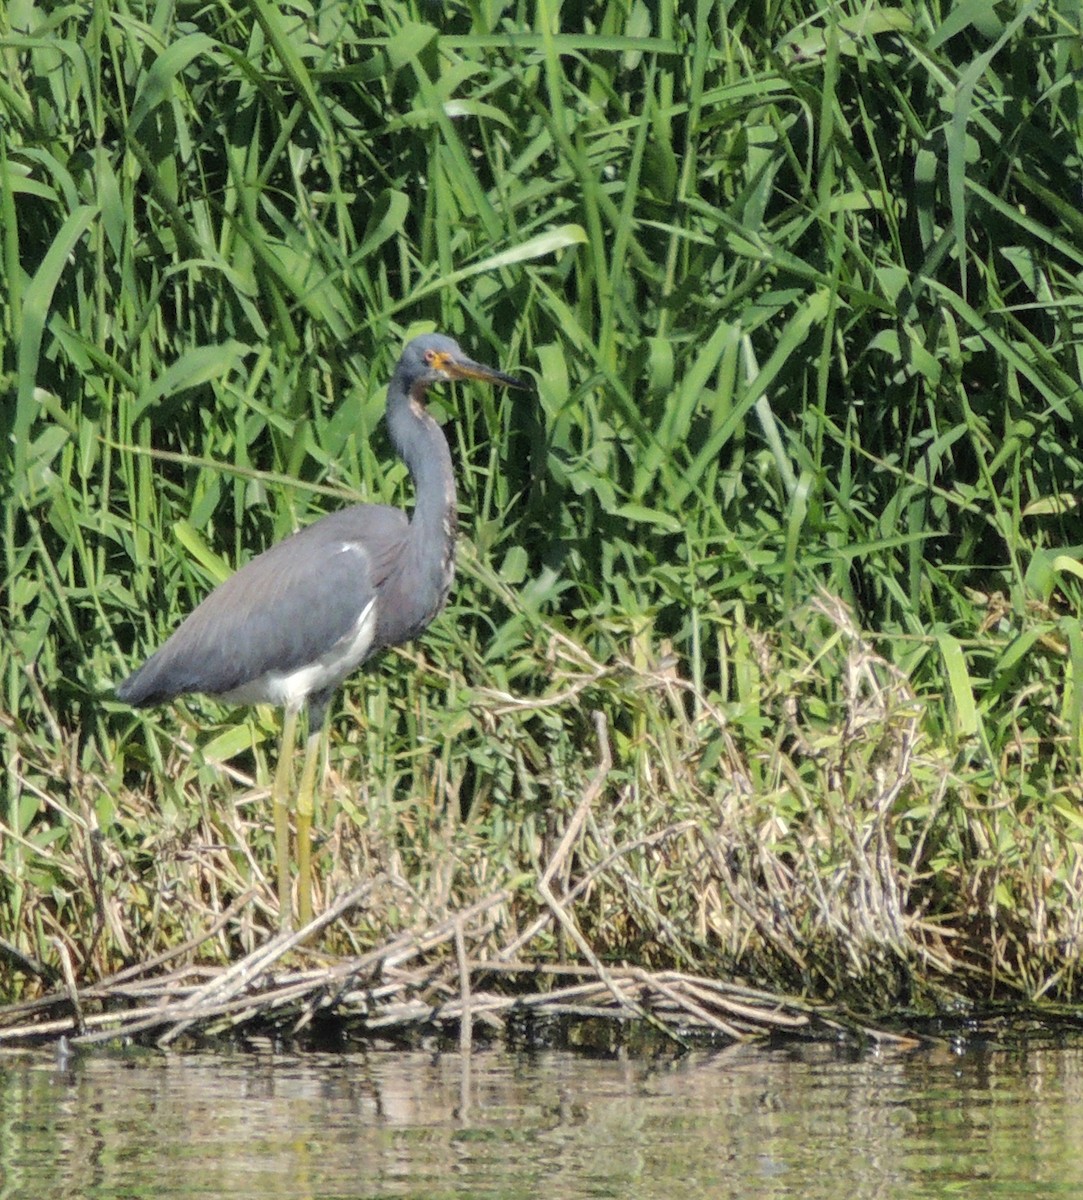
423 447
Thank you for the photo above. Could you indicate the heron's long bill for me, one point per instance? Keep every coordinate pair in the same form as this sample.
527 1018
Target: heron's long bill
466 368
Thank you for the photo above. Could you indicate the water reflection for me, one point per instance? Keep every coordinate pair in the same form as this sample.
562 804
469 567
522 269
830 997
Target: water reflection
805 1122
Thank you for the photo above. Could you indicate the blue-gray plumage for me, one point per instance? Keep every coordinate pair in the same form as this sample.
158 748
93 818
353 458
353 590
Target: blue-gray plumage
289 626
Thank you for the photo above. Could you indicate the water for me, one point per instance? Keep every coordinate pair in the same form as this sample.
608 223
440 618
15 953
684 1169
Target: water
803 1122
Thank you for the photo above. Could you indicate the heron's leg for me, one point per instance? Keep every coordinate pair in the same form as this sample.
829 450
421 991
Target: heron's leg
306 798
281 797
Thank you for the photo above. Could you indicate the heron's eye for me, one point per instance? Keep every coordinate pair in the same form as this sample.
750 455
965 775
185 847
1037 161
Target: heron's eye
430 356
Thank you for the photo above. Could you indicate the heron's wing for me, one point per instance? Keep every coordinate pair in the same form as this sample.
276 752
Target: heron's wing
283 610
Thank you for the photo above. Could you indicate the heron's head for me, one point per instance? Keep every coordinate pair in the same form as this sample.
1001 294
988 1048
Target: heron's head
432 358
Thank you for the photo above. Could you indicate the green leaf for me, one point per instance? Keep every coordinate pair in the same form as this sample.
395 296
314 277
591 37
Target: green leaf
215 566
193 368
960 689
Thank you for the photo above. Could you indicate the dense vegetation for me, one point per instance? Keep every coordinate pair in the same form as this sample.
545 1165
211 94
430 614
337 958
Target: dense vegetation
791 525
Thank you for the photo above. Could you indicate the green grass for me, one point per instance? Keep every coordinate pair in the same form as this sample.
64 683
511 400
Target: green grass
795 507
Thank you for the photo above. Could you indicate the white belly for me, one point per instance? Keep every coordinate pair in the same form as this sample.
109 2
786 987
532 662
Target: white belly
290 689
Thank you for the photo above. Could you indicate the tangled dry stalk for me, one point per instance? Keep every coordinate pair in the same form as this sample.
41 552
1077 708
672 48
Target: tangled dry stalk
393 990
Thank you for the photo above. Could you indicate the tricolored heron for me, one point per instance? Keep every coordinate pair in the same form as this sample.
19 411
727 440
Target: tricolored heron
289 626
